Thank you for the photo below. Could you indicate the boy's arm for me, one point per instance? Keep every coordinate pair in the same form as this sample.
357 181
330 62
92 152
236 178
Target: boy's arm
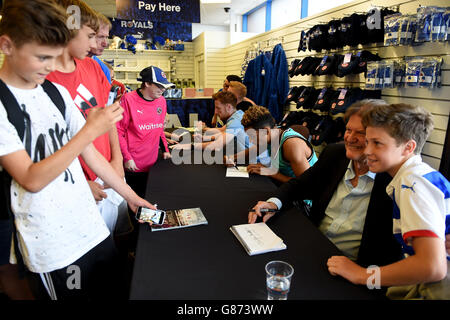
35 176
116 154
294 152
105 171
428 264
219 141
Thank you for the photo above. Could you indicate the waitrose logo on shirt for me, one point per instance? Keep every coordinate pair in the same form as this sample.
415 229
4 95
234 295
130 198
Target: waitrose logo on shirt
150 126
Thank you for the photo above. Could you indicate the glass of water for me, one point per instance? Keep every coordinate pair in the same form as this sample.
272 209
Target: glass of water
278 279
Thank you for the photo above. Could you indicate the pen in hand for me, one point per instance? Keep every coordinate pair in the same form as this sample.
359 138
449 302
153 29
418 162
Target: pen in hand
263 210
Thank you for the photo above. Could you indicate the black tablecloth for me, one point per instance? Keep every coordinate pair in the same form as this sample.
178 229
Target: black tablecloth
208 262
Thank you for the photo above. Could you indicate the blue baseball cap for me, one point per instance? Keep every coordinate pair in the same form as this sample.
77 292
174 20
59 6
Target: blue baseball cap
154 74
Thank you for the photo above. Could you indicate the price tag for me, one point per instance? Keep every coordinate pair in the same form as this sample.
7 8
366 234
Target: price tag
342 94
322 63
322 93
347 58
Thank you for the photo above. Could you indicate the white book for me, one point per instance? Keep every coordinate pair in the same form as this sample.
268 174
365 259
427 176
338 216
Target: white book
239 172
257 238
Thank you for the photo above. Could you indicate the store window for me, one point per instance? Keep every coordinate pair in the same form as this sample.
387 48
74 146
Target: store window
256 20
315 7
285 12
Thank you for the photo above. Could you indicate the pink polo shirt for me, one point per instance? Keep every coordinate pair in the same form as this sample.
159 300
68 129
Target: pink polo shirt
141 129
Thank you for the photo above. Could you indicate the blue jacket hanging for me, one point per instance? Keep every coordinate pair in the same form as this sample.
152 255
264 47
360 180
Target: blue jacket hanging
281 79
267 81
255 79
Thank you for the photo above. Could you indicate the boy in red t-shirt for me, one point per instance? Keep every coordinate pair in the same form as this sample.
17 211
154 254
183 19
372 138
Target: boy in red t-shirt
89 88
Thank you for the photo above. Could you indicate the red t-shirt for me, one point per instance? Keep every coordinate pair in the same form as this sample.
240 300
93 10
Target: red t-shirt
89 88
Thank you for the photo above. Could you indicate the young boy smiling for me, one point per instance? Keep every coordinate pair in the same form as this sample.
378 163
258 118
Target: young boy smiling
58 223
395 137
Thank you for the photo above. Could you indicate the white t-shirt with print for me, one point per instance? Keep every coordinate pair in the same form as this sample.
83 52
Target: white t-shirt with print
59 224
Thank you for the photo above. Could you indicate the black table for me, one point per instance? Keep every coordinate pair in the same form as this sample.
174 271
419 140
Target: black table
208 262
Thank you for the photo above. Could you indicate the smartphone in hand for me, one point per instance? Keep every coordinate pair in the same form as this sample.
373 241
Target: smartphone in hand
156 217
112 95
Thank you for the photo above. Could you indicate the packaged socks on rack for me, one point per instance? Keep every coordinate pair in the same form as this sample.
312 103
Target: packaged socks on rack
446 25
437 21
423 72
399 73
373 77
408 26
391 29
429 22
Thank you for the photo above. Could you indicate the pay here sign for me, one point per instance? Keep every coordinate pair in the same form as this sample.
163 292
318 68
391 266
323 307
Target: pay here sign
159 10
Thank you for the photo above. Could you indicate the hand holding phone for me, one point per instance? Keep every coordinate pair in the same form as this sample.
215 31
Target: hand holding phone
151 216
112 95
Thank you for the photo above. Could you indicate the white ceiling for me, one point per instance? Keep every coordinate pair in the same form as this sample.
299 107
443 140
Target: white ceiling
210 14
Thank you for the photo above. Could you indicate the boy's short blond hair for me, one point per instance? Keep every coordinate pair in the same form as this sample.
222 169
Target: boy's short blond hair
88 16
40 21
402 121
240 88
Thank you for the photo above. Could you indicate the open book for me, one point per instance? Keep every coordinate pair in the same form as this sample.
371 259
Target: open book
239 172
181 218
257 238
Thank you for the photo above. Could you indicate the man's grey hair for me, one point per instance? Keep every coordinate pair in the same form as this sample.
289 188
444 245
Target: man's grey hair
360 106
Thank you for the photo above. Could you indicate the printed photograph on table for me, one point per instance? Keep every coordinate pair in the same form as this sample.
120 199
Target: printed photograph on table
181 218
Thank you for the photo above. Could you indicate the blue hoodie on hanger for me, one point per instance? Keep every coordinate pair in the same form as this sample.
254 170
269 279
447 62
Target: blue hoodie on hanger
267 81
257 79
281 78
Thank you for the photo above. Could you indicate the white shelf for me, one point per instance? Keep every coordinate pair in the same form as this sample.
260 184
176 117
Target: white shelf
145 52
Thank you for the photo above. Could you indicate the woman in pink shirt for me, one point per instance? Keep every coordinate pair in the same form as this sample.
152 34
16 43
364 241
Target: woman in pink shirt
142 128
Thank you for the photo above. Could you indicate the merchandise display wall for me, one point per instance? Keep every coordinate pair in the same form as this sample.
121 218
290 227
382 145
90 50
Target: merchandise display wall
435 100
209 58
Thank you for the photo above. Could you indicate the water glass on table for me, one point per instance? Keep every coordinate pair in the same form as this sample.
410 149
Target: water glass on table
278 279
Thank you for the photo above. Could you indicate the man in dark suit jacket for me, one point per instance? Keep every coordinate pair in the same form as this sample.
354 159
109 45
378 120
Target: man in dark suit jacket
320 182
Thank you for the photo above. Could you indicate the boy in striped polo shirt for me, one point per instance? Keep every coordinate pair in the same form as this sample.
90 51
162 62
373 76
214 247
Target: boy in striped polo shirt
395 137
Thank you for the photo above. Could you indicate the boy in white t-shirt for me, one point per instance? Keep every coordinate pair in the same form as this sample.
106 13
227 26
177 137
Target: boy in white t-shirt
60 232
395 137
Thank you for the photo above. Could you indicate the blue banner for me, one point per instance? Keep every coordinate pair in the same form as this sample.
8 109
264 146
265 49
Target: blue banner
159 10
154 30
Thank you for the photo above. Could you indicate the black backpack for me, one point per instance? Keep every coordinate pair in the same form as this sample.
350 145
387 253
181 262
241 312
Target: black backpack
19 120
